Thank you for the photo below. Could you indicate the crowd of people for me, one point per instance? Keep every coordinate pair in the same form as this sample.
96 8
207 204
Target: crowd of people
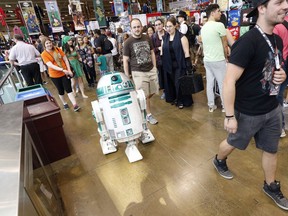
249 72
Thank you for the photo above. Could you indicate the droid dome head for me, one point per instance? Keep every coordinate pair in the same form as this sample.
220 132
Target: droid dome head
114 83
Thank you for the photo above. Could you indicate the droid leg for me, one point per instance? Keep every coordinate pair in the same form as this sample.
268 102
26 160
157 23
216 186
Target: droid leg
107 144
132 152
146 136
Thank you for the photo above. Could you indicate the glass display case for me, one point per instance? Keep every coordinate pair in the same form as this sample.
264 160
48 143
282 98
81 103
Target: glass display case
39 181
28 187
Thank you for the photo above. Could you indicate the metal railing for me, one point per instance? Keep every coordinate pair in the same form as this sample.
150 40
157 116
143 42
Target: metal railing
6 77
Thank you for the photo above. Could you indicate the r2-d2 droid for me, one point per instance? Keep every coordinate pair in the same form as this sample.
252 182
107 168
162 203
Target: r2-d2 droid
121 115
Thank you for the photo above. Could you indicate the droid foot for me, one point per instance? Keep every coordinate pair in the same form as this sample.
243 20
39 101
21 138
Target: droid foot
146 136
133 153
108 146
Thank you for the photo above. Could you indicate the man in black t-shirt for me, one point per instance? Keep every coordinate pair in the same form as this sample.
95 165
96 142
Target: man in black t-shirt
99 41
252 81
139 53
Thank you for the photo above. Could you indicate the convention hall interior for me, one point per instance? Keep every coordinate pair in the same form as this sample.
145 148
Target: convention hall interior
176 176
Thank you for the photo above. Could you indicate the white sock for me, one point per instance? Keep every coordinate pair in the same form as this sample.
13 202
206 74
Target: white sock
62 99
72 98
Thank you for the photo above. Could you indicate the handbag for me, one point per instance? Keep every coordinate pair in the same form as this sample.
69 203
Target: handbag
191 83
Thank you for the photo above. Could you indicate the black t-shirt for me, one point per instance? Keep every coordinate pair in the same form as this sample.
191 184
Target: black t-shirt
139 52
99 42
253 53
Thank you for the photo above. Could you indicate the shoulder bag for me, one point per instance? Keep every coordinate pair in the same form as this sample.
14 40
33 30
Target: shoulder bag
191 83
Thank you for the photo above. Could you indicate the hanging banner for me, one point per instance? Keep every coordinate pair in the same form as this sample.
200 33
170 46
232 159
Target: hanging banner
77 16
54 16
99 12
118 7
29 17
234 18
159 5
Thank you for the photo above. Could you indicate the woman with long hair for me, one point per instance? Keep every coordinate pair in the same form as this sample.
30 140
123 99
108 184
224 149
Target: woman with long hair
73 58
59 72
175 52
86 53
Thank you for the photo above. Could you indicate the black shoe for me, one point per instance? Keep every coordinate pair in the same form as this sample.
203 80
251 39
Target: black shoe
274 192
222 168
66 106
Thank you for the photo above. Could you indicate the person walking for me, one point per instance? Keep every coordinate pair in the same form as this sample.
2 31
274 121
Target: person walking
59 72
26 55
215 49
251 85
138 51
73 58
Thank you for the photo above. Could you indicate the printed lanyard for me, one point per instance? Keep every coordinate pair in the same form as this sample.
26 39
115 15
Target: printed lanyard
275 52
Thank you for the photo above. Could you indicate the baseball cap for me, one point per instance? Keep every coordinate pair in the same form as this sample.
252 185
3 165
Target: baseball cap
255 4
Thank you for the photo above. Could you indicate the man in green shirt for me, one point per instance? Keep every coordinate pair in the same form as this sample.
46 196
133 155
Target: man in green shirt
214 41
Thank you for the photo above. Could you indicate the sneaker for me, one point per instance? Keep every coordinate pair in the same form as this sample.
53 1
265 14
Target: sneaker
151 119
66 106
274 192
283 133
76 108
45 82
285 104
222 168
223 110
212 108
162 96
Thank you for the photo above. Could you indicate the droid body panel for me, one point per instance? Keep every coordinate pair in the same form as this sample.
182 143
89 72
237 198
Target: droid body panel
121 115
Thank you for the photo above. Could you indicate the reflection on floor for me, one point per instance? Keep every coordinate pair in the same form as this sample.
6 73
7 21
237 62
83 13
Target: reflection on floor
176 176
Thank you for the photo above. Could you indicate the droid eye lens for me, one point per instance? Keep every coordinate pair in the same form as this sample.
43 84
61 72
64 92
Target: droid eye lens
114 78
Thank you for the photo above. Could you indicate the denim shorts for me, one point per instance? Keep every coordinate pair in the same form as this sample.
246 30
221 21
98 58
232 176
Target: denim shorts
266 130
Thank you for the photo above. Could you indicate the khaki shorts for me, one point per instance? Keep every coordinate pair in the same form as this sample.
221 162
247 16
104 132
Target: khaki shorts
148 81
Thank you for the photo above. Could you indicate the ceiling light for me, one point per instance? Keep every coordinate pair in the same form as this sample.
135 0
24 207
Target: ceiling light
8 5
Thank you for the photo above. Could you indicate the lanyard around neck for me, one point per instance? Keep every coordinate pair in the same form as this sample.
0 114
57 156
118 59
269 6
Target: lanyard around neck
274 51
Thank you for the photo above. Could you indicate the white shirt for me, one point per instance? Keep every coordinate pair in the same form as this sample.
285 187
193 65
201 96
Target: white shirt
183 28
92 42
24 53
114 50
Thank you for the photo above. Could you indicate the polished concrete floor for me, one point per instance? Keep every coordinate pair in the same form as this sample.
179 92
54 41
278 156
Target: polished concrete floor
176 176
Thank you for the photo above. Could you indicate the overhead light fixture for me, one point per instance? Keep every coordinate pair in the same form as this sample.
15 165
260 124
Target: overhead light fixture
8 5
